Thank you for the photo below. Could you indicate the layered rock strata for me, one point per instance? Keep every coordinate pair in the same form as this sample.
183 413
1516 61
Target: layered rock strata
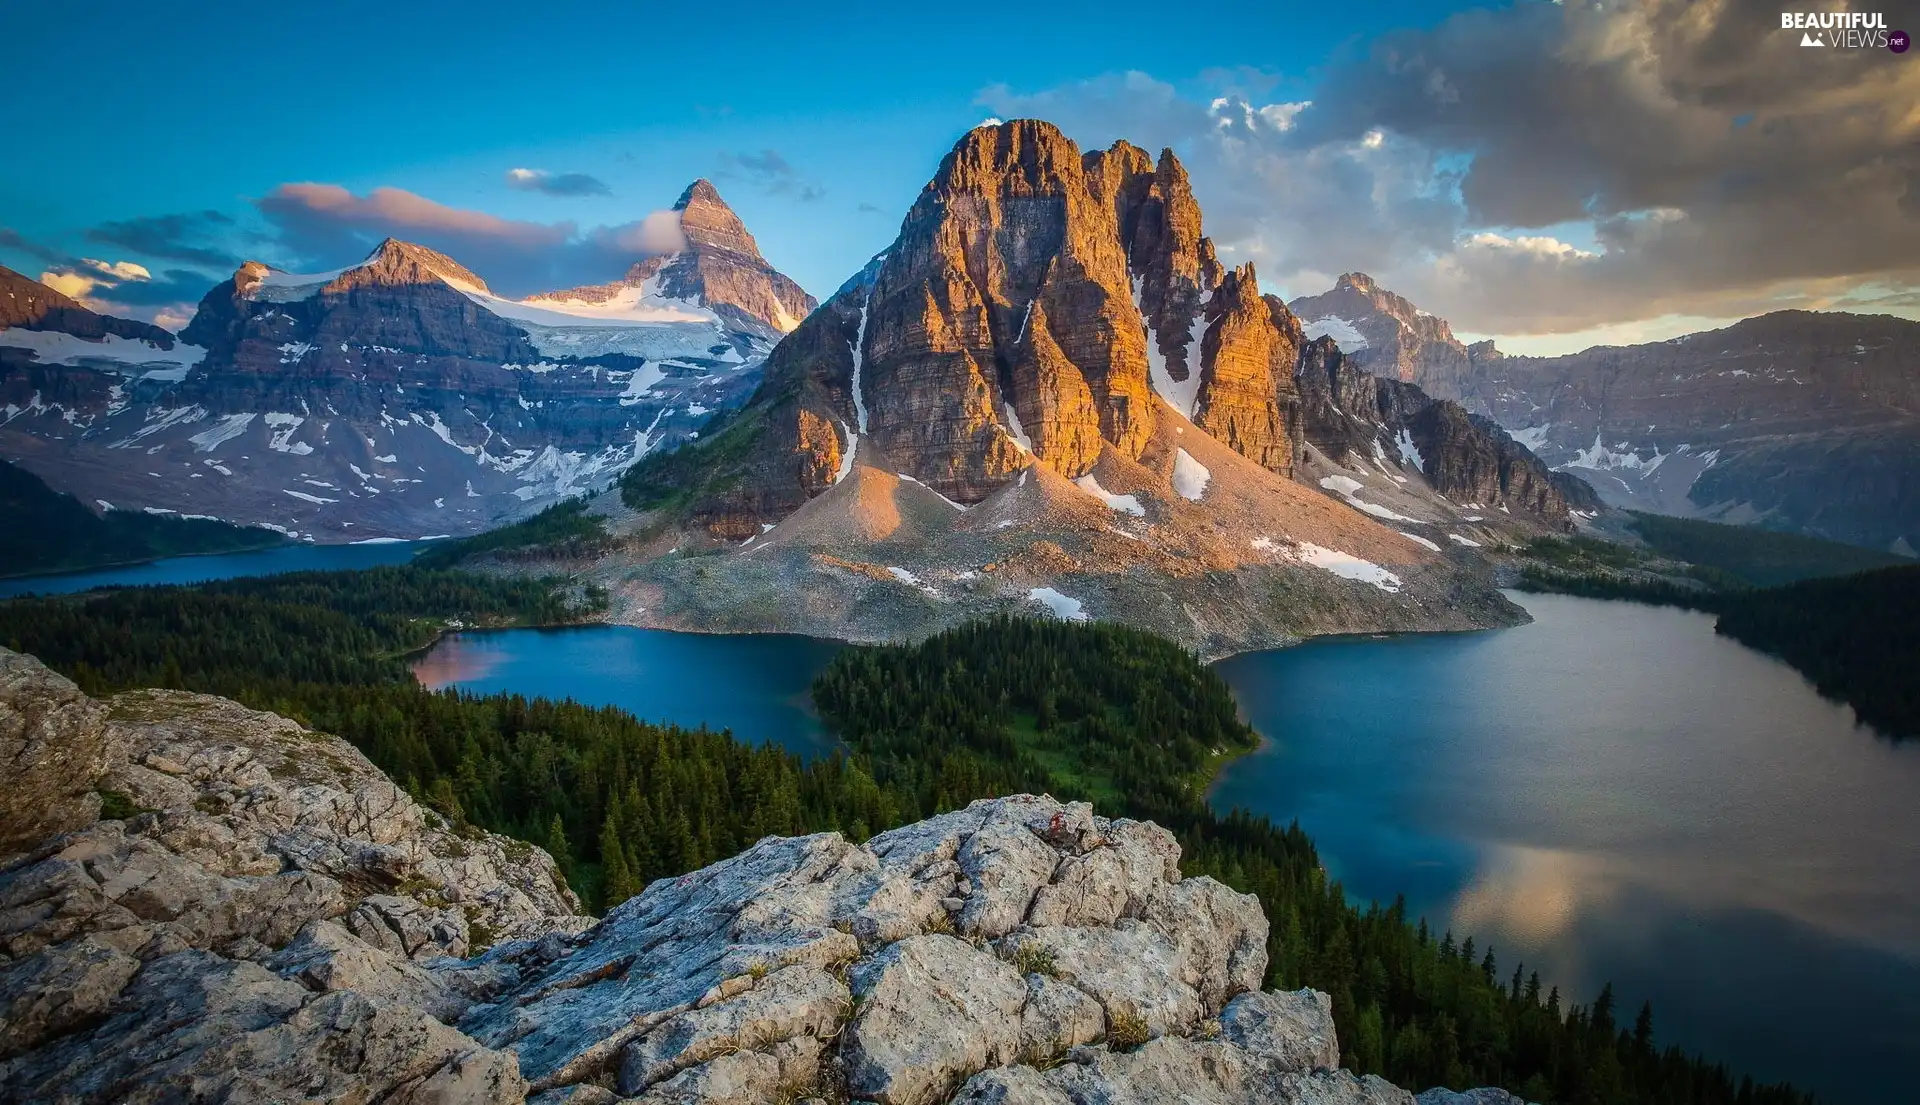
1038 303
1353 416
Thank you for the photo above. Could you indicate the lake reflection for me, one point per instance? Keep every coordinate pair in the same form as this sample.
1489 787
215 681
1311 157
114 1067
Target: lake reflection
1615 793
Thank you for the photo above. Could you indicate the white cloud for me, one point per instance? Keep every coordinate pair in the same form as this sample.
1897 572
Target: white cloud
1537 245
118 270
72 284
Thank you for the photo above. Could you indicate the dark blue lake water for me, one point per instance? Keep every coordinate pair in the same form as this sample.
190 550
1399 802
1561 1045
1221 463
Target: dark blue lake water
1612 793
199 569
1615 793
753 684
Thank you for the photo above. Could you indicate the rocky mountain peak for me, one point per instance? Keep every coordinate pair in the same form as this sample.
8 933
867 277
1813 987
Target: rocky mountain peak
396 262
1385 334
720 268
1023 157
1038 304
701 193
710 224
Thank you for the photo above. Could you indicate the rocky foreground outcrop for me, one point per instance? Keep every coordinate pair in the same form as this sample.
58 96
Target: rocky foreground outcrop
267 918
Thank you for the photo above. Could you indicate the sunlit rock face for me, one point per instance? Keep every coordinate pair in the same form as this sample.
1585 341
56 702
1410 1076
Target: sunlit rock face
1038 303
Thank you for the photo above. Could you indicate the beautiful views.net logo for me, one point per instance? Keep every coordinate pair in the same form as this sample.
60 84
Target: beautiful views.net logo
1844 30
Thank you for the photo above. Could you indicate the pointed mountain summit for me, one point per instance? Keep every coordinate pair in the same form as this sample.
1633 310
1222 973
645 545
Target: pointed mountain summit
1384 334
1038 303
719 269
1046 395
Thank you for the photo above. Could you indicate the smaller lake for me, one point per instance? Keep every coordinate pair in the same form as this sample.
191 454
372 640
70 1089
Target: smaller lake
755 685
300 557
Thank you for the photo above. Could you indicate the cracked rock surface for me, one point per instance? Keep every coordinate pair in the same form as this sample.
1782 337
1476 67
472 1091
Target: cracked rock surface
283 924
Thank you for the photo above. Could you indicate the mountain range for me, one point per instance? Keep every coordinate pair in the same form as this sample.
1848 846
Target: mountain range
1044 314
397 397
1801 421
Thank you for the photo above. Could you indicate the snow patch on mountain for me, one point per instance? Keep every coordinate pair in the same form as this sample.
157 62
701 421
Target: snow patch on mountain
1016 431
1343 333
1179 394
1408 452
1190 477
1533 437
1128 504
846 457
127 356
1064 607
1348 488
1622 456
228 428
1346 566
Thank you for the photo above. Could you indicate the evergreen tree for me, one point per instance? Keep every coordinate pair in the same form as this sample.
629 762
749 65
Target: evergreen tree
558 847
616 875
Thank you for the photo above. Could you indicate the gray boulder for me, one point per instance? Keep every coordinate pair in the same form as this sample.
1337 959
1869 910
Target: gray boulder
196 1023
1293 1029
53 746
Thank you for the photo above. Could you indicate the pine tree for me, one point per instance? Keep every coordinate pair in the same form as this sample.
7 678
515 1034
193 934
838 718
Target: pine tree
558 847
616 877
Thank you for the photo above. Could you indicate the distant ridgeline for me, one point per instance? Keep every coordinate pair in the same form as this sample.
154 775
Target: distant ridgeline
50 532
1083 711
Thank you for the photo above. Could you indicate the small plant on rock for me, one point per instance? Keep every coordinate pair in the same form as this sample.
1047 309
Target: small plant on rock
1126 1030
1033 959
117 805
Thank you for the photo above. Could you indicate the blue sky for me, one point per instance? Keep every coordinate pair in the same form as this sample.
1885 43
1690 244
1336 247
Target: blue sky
147 110
154 107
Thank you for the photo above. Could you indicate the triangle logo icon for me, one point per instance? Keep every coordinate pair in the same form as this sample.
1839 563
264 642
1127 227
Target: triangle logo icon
1807 39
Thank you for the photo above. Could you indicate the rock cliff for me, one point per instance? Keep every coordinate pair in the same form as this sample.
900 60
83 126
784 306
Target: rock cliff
399 397
263 917
1038 303
1359 420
